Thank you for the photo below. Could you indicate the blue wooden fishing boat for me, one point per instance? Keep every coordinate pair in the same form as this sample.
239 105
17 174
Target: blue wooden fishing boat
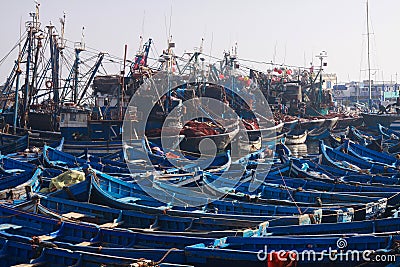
335 140
106 193
16 176
24 253
388 133
302 167
360 136
126 218
357 136
37 137
362 227
344 161
392 139
105 160
162 160
14 187
318 134
278 192
65 257
34 252
102 215
33 154
394 149
52 157
10 166
117 156
374 142
241 251
12 143
282 149
326 186
391 193
312 168
14 253
370 155
76 233
56 158
270 193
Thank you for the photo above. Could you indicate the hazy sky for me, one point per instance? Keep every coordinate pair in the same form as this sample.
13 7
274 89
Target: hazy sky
291 32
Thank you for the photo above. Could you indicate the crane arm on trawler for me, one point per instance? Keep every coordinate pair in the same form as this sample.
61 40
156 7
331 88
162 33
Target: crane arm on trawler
67 83
89 81
309 89
140 58
194 58
11 78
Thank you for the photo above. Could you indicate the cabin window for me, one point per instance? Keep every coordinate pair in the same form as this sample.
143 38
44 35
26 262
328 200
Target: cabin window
72 117
62 117
328 84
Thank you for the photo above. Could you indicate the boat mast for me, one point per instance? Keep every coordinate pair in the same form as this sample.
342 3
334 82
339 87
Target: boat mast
55 66
121 88
28 63
79 47
34 83
369 64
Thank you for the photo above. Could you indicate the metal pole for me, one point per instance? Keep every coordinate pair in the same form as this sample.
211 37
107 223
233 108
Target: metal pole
16 97
369 64
320 84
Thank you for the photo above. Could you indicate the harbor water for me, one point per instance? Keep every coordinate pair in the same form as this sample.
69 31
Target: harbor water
302 150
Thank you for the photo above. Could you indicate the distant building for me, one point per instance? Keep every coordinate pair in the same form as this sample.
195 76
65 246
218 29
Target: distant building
330 80
381 91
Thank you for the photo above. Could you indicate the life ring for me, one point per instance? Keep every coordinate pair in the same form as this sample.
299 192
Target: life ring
49 84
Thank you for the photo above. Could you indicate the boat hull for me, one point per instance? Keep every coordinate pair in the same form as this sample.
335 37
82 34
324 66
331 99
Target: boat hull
372 120
311 124
296 137
345 122
330 123
192 144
